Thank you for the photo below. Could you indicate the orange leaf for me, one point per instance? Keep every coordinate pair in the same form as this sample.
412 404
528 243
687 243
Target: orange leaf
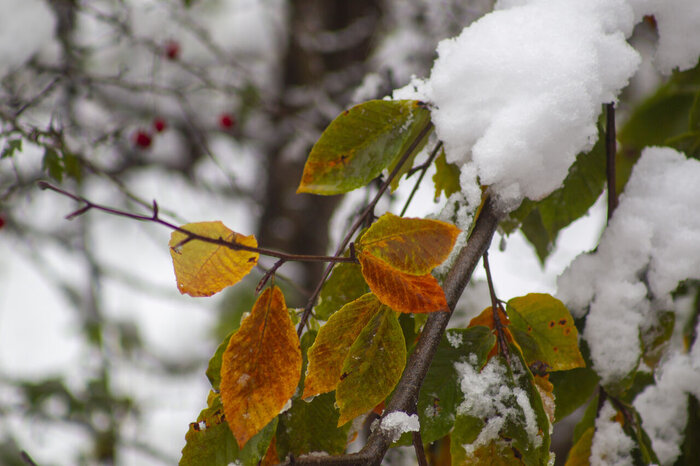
333 343
202 268
486 319
400 291
261 367
412 245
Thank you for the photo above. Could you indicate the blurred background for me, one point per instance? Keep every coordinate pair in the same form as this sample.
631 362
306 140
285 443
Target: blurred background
209 107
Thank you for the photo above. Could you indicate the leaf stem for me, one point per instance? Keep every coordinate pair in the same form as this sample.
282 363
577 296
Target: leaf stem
154 217
424 169
359 221
496 308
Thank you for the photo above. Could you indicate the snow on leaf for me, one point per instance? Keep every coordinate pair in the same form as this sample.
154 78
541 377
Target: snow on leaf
261 366
372 367
333 342
411 245
360 143
545 331
401 291
203 268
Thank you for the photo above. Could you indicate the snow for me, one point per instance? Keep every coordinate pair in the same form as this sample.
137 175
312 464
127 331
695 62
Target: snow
663 406
652 237
518 92
398 422
488 397
25 27
611 446
454 339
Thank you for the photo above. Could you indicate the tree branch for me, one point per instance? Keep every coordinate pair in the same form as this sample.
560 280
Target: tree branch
610 151
406 393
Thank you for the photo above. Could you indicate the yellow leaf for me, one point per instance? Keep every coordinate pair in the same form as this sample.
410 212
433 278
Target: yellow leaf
400 291
203 268
581 452
333 342
261 367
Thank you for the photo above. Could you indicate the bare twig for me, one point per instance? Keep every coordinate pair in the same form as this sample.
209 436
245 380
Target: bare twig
420 452
610 151
359 221
424 168
406 393
497 309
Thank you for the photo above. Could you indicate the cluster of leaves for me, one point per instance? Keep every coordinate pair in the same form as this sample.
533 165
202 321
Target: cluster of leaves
275 394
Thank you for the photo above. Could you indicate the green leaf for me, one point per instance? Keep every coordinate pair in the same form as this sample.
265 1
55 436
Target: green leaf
334 340
543 220
209 441
580 452
214 367
13 145
690 449
587 420
72 166
372 367
440 392
446 177
360 143
52 164
572 389
643 453
545 330
311 426
344 285
655 337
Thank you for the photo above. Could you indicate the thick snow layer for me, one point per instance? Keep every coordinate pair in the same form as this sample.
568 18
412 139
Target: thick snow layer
520 90
398 422
651 244
25 26
677 22
663 406
611 446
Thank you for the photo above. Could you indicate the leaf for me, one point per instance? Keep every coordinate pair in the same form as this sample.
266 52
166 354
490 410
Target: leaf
655 337
312 426
580 453
13 145
411 245
261 366
344 285
71 163
401 291
690 448
440 392
209 441
202 268
446 177
572 389
214 368
545 330
372 367
360 143
541 221
51 164
333 343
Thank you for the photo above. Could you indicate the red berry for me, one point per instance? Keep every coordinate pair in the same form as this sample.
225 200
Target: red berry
142 139
172 50
2 222
159 125
226 121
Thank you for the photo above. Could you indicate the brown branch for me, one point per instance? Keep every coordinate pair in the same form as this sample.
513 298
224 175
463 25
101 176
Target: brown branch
359 221
424 168
497 309
420 452
610 151
406 393
190 236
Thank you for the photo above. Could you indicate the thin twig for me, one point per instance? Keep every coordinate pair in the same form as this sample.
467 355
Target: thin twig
497 308
610 151
24 456
359 221
424 170
418 446
190 236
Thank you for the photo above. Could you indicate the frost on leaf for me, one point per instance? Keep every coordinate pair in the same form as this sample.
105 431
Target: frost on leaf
203 268
261 366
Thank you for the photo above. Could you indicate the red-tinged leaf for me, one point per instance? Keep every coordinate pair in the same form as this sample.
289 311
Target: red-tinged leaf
360 143
333 343
411 245
372 367
203 268
545 330
261 366
400 291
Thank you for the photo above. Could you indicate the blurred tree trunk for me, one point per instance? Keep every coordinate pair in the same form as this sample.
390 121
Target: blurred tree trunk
328 44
